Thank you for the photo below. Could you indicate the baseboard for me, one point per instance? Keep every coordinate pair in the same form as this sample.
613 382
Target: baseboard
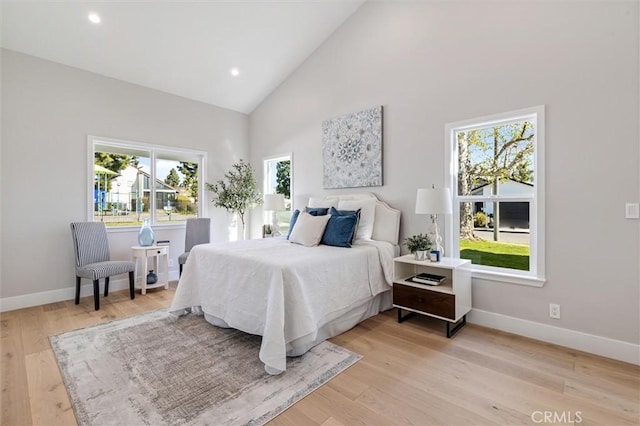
610 348
616 349
69 293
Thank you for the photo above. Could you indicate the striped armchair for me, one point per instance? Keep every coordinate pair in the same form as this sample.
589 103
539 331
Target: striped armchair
91 248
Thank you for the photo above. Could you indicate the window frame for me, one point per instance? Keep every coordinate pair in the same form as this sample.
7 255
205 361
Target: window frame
154 152
266 190
536 275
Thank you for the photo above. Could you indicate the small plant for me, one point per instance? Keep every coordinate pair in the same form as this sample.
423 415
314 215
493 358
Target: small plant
420 242
480 220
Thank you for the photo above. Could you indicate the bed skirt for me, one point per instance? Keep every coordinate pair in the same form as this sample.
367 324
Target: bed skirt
337 323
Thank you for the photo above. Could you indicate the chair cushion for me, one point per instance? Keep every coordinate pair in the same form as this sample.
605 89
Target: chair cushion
95 271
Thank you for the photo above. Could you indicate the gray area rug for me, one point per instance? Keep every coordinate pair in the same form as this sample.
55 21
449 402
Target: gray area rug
155 369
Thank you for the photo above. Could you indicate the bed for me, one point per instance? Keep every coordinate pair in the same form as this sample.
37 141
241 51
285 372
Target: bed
293 296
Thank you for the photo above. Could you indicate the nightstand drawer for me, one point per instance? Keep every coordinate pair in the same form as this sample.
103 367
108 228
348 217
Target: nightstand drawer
157 251
430 302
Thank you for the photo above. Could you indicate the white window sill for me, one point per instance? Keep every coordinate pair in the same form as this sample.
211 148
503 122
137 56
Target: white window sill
136 228
505 277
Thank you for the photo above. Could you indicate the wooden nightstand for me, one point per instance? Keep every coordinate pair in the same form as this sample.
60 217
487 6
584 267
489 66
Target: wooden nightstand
449 301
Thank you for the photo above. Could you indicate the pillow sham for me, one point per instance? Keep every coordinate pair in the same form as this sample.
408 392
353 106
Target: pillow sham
367 215
323 202
340 229
309 229
292 222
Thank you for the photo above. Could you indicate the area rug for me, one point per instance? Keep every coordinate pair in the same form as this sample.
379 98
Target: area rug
156 369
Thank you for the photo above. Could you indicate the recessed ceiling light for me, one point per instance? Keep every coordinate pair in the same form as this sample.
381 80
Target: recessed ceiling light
235 72
95 18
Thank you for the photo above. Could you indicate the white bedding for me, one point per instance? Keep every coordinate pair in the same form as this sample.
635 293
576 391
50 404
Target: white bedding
282 291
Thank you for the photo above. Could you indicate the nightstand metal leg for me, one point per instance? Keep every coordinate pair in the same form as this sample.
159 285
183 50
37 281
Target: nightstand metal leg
406 317
456 328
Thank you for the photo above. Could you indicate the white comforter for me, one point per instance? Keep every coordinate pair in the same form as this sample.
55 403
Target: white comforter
279 290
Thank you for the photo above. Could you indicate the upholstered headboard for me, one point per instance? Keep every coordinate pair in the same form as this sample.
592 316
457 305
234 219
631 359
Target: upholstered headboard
386 225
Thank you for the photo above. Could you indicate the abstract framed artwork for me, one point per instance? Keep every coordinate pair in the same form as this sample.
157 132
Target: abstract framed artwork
352 149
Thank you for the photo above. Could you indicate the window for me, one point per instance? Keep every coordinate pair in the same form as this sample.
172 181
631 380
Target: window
277 179
132 181
497 182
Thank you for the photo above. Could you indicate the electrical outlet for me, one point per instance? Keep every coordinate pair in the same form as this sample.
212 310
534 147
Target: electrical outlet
554 311
171 263
632 211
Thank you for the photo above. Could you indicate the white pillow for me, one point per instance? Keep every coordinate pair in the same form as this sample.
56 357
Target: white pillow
308 229
367 215
323 202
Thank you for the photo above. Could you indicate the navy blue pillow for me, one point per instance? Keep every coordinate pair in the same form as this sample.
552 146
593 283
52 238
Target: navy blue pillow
316 211
335 212
292 222
340 229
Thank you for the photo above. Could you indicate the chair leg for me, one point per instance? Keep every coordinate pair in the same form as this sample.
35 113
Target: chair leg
106 286
78 290
132 290
180 273
96 294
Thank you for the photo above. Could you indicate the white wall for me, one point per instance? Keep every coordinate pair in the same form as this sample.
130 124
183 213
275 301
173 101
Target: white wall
431 63
48 110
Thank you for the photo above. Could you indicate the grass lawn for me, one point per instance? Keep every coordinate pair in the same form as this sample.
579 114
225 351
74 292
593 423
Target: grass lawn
492 253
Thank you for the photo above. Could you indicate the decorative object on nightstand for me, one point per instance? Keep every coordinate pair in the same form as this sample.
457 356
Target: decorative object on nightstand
145 235
274 203
434 201
152 277
419 245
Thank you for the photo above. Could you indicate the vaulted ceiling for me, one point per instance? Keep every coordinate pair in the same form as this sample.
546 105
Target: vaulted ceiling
186 48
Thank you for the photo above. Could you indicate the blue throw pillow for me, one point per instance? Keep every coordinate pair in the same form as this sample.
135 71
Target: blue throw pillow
316 211
340 229
335 212
292 222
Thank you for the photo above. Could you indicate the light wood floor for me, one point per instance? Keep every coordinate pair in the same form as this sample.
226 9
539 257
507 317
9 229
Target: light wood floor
410 374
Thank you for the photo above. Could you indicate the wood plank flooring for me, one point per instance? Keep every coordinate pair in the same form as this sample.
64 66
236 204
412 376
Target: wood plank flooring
410 374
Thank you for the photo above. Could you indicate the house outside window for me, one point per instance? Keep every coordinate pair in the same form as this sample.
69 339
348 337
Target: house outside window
497 182
132 181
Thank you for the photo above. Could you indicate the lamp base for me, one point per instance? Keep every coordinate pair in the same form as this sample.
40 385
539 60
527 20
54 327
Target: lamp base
437 239
275 229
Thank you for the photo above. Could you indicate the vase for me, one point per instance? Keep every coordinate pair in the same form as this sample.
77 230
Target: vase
420 254
152 277
145 235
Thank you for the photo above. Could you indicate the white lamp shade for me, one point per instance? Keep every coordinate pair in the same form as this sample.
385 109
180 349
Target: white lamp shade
273 202
433 201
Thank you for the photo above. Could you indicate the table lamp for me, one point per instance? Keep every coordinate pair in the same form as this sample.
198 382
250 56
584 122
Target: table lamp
274 203
434 201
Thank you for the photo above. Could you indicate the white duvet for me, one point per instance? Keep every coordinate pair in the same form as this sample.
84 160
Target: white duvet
282 291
